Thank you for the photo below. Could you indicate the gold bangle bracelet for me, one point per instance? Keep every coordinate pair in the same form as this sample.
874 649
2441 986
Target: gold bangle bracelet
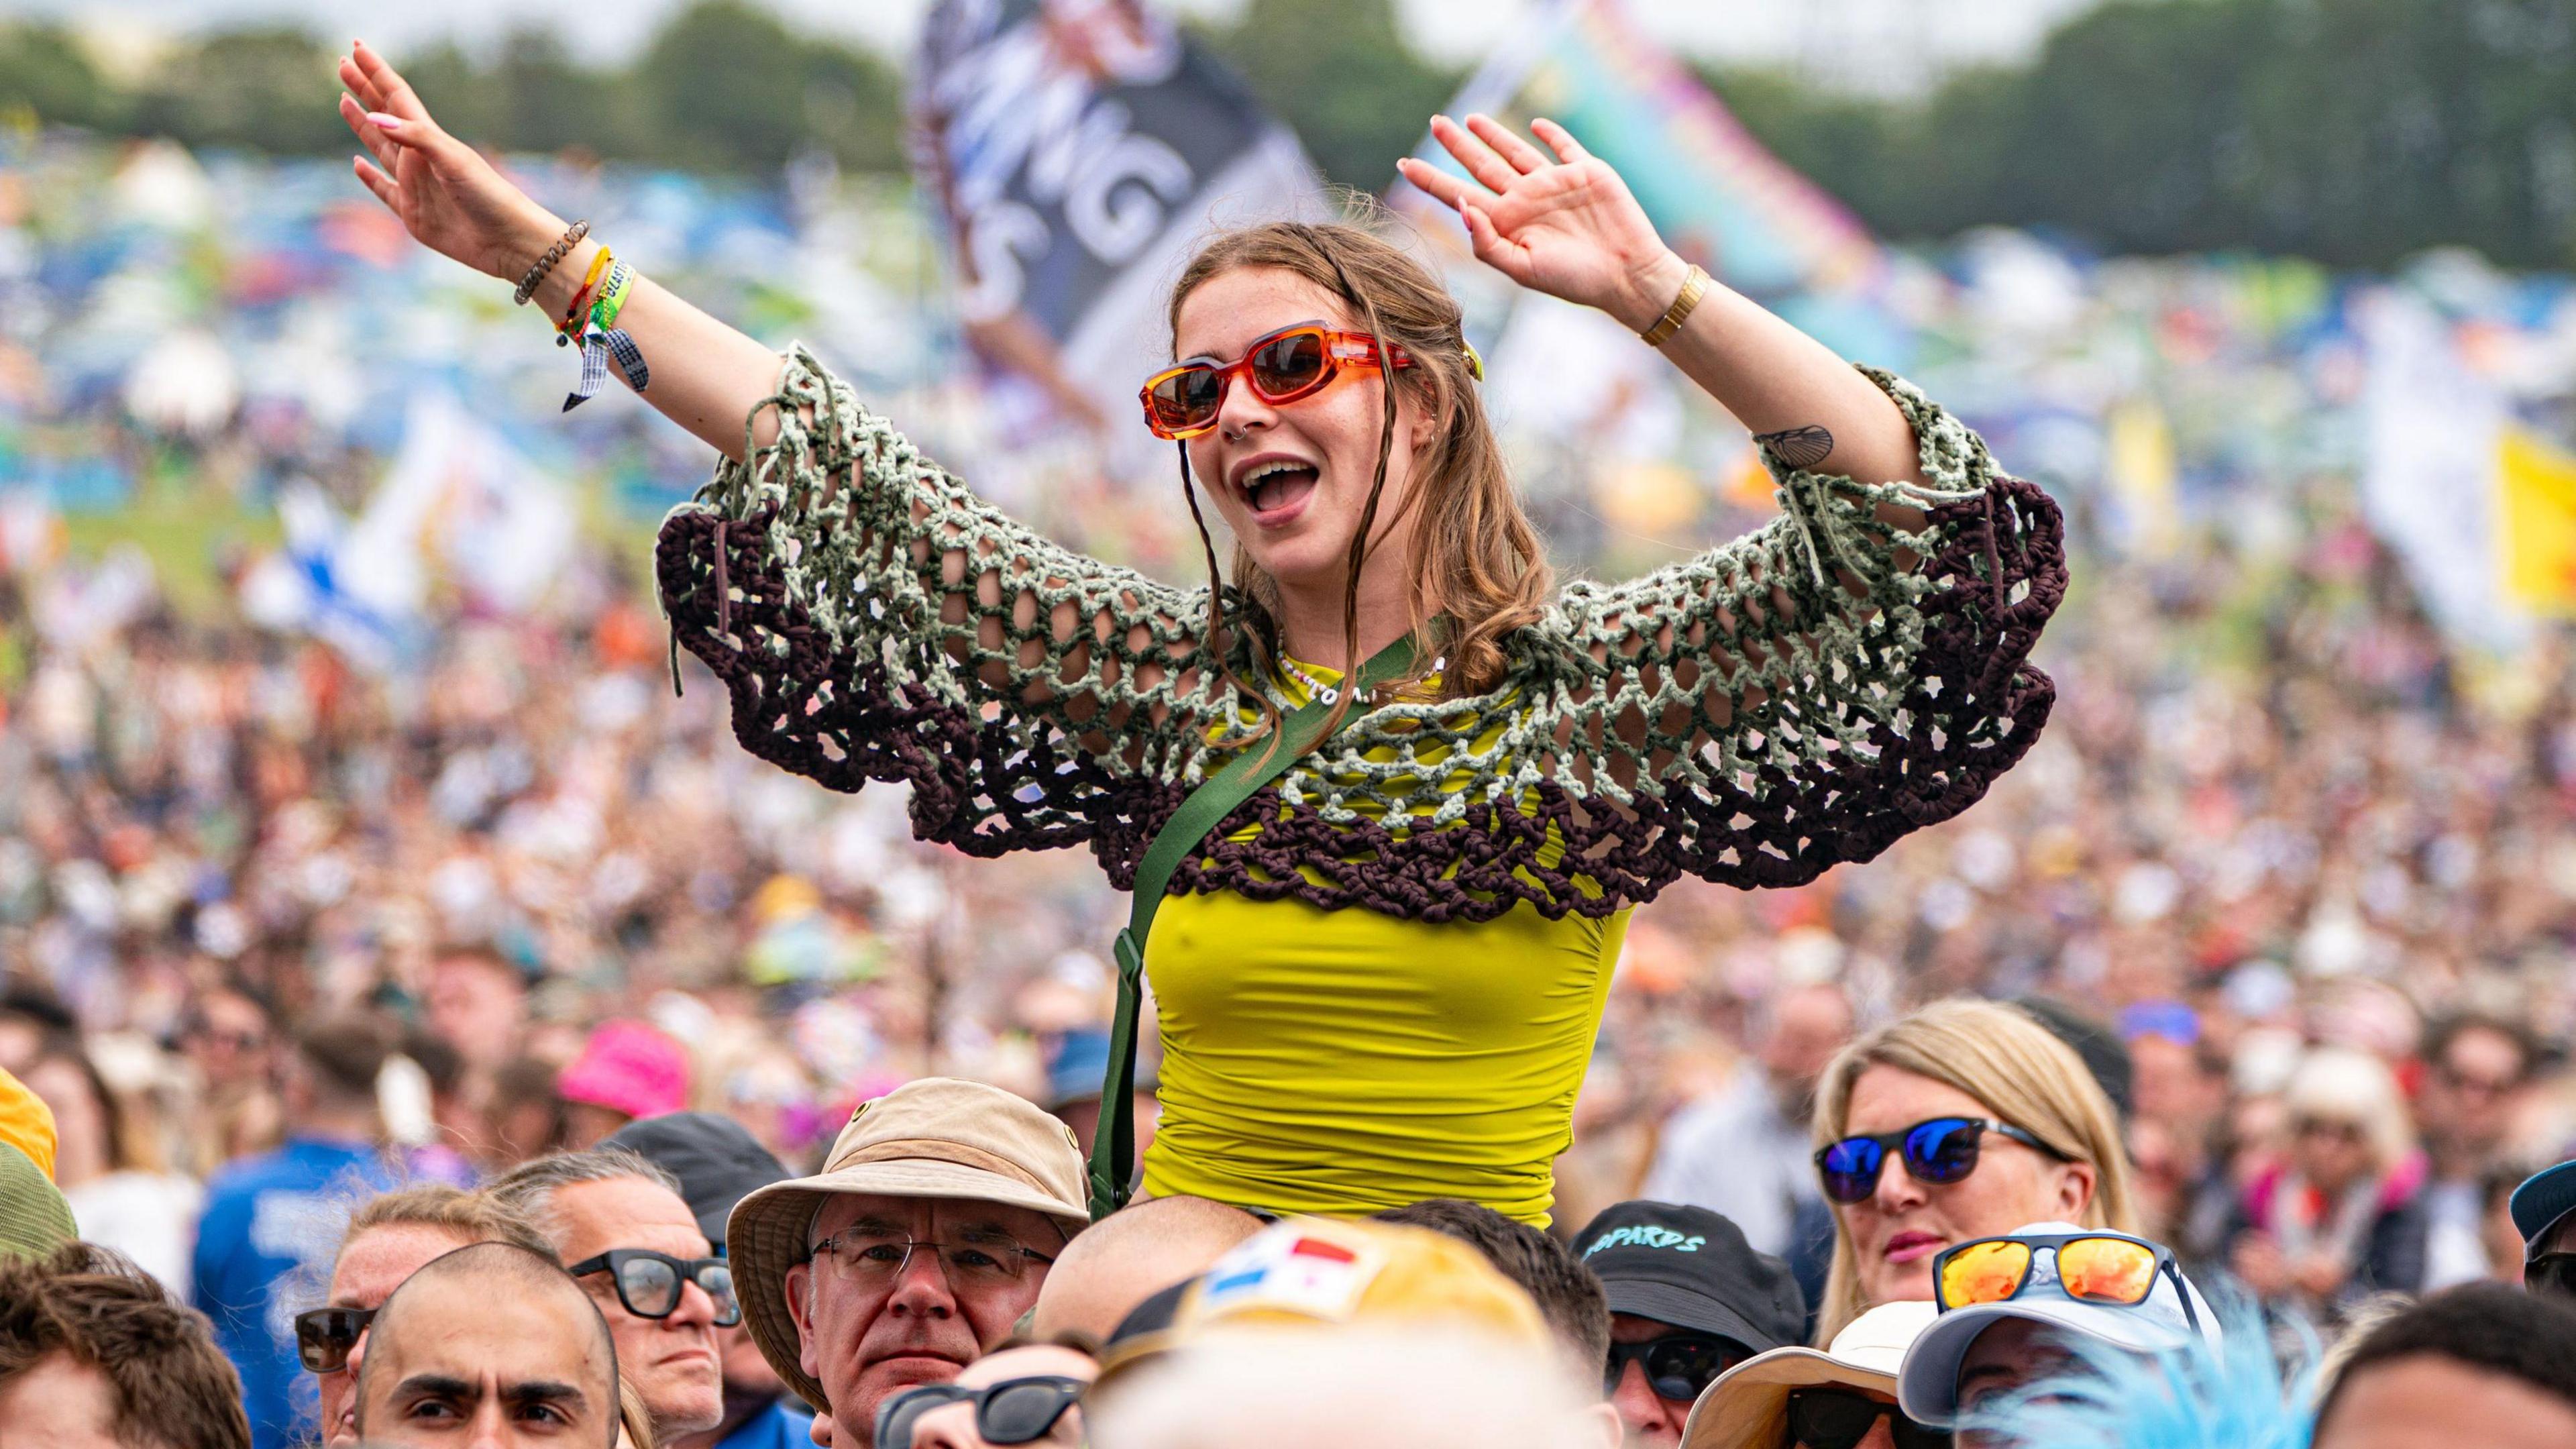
1694 287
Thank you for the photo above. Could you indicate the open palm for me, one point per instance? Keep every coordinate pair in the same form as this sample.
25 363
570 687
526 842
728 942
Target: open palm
447 195
1565 225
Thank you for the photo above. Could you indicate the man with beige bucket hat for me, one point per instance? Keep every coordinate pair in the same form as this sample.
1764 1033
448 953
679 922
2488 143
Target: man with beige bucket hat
913 1252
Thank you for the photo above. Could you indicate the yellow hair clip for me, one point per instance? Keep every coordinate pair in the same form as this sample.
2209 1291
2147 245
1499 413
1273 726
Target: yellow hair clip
1475 360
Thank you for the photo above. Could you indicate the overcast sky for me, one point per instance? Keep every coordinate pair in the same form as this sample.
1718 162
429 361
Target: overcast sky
1873 43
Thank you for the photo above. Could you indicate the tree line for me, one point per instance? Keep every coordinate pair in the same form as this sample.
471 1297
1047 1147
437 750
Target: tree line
2355 132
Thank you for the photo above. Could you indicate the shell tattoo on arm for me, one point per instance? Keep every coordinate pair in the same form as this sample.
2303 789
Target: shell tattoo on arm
1800 448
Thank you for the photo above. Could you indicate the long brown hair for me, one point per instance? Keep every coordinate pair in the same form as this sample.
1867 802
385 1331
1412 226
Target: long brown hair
1476 561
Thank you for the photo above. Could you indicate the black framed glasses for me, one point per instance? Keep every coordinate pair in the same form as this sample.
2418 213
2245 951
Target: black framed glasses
877 1258
1014 1411
1678 1365
325 1337
650 1283
1938 1151
1840 1418
2553 1274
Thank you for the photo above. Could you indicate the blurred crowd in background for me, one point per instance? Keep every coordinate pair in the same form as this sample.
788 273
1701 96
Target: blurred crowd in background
332 690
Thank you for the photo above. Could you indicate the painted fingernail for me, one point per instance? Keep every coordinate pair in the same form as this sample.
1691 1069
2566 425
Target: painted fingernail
385 120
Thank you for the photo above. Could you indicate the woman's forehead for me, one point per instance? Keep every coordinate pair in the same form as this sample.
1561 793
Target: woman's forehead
1224 315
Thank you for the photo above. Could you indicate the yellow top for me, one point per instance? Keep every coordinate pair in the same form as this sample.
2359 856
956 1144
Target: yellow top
1321 1061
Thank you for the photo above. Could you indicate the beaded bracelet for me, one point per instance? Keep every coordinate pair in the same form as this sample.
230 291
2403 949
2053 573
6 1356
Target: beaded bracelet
546 264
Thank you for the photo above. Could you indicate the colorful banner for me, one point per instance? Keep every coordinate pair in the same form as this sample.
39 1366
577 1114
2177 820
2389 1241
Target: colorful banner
1718 195
1078 149
2536 521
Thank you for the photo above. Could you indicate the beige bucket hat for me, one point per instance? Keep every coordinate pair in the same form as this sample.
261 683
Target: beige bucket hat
937 1137
1748 1406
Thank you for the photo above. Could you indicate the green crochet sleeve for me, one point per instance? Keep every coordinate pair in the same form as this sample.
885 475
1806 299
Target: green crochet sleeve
956 631
1777 648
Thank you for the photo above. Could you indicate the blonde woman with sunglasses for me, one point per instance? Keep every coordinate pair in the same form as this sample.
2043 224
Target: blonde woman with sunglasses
1378 979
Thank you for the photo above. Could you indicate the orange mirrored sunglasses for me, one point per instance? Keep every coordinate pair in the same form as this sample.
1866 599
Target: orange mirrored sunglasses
1294 362
2091 1267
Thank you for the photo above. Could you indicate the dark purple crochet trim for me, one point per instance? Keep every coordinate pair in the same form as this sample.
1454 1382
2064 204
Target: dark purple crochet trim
1974 703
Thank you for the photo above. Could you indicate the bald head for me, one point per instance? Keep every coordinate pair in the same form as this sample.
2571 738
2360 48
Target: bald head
1131 1255
497 1337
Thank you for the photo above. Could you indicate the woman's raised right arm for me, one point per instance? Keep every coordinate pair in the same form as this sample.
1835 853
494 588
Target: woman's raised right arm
918 632
707 377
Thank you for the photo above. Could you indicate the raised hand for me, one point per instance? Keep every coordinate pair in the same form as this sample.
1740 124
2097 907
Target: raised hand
1566 225
449 198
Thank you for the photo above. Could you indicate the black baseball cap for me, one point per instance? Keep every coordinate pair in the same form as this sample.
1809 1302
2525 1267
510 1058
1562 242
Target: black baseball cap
1691 1268
717 1162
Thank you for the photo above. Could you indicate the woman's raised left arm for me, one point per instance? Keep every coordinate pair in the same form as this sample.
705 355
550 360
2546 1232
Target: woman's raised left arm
1854 670
1569 227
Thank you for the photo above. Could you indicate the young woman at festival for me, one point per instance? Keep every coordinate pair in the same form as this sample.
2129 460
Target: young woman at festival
1966 1119
1379 978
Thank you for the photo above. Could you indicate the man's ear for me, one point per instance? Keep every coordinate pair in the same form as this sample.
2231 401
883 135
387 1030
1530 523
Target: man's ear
1607 1431
800 1306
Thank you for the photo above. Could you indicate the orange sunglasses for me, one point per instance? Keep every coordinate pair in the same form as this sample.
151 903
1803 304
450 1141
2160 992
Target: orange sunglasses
1293 362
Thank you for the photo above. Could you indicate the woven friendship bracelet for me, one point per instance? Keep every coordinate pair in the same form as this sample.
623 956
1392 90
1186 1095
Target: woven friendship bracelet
545 264
1694 287
603 343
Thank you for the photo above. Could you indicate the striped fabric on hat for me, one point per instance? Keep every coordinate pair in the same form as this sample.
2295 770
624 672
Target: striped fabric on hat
34 1218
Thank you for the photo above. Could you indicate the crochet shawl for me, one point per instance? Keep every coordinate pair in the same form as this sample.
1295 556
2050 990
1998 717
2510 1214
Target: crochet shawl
1794 699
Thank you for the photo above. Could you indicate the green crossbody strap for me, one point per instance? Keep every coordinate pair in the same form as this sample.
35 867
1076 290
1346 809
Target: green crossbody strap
1113 1146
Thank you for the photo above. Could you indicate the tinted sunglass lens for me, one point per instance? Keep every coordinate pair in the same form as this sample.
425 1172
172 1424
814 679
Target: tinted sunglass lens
1851 1168
2107 1270
1188 399
321 1347
2551 1273
897 1416
1830 1420
1286 364
1943 1151
1679 1369
1018 1413
1983 1273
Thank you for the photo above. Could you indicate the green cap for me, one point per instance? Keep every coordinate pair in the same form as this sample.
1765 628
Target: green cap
34 1218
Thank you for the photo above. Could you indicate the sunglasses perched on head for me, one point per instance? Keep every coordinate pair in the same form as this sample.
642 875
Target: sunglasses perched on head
2108 1268
1678 1365
325 1337
2553 1274
1839 1419
1938 1151
1291 363
1014 1411
650 1283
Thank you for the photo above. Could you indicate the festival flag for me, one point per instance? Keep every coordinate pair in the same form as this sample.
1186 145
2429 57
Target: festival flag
2536 521
2432 438
1078 148
460 510
1719 196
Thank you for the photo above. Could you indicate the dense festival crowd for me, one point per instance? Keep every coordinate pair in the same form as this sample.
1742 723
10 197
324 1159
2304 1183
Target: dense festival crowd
283 936
492 1050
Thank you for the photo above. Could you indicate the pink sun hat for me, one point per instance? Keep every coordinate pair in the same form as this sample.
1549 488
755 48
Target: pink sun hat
628 1067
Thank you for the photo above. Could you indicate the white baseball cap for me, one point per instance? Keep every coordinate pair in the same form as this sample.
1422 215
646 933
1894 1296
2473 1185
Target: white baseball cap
1928 1383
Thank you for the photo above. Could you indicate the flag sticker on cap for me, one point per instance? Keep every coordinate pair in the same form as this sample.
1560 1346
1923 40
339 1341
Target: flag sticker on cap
1295 1271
